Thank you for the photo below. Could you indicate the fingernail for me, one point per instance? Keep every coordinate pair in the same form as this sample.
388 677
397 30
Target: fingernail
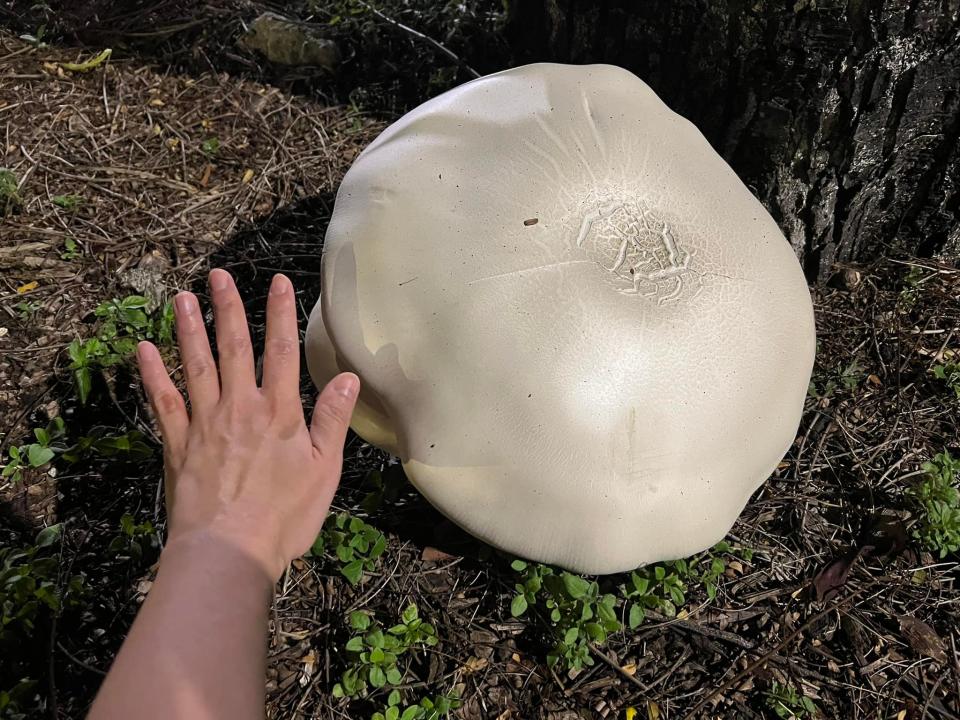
184 303
346 385
279 285
141 350
219 279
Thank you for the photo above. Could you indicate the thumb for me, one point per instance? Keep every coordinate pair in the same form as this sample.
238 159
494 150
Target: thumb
331 414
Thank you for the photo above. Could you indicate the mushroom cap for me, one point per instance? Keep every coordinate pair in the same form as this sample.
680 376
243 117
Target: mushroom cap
585 339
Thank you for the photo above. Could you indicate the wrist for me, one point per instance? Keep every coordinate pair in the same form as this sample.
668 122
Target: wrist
254 539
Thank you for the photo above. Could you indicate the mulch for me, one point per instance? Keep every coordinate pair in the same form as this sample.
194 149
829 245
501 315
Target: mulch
157 211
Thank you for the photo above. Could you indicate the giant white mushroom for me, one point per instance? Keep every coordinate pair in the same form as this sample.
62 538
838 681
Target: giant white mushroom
585 339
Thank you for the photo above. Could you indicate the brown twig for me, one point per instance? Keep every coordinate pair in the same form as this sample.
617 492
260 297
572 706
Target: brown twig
605 659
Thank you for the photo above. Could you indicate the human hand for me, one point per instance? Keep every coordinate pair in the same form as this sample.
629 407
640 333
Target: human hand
242 465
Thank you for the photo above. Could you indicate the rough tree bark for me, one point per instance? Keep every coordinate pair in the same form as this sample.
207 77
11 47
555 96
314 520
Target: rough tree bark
843 116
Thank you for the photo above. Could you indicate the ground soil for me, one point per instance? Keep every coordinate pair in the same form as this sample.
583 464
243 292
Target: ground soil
127 139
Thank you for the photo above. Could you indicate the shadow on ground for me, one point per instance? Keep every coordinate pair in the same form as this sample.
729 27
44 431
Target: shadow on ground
290 241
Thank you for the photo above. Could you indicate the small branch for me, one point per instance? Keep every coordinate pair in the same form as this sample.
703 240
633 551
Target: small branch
77 661
416 33
956 668
597 652
704 630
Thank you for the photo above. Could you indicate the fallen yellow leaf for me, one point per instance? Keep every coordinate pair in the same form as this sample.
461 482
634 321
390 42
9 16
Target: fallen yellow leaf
474 664
27 287
247 176
156 102
630 668
653 710
631 713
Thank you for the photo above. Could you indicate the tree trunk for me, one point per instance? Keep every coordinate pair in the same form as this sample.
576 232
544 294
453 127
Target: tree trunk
842 117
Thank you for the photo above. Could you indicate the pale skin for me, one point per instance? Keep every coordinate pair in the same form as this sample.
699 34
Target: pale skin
248 486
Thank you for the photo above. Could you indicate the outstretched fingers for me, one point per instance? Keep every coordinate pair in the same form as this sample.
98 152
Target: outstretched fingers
332 413
166 400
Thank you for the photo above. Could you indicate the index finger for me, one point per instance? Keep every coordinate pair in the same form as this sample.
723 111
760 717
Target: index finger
281 352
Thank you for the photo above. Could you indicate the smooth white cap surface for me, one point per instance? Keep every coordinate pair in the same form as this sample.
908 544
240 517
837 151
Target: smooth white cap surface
583 336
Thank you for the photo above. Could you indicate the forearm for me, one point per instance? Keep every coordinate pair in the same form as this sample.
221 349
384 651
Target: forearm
197 648
249 486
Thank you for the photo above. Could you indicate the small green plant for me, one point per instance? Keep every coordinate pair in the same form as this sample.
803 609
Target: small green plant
657 587
51 442
127 319
28 582
124 323
851 375
85 357
950 374
412 630
210 147
30 590
36 454
15 700
427 709
824 384
67 202
938 503
71 251
663 587
27 308
787 702
911 284
530 584
129 444
712 564
375 653
356 545
36 39
824 389
9 192
579 614
135 539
